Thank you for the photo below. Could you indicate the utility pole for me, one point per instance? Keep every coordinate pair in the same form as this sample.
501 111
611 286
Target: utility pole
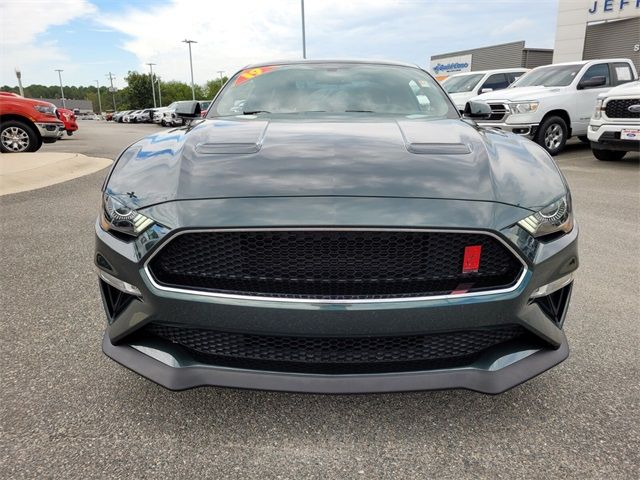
113 90
99 100
64 105
193 90
159 92
304 39
153 86
19 75
220 72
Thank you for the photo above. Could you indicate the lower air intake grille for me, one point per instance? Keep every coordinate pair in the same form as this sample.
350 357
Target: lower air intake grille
333 264
336 354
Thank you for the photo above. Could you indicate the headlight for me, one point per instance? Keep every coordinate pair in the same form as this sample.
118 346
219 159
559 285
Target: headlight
554 218
523 107
120 218
597 114
46 110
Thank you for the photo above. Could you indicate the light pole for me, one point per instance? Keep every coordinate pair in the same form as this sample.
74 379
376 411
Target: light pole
99 100
113 90
159 92
153 86
193 90
64 105
19 75
304 40
221 72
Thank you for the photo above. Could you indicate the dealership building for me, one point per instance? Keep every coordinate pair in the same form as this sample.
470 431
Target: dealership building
590 29
586 29
506 55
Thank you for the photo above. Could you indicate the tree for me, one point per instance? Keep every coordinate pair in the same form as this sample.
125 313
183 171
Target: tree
138 90
212 87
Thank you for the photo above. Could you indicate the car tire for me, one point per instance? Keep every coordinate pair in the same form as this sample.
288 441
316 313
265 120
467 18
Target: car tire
552 135
608 155
69 132
17 136
163 122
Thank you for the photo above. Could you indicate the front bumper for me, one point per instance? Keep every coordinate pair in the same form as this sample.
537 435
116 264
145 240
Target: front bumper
607 137
50 129
525 129
174 367
492 374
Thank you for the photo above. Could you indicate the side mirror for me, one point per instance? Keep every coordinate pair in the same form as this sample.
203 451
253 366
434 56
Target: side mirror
189 109
477 109
486 90
592 82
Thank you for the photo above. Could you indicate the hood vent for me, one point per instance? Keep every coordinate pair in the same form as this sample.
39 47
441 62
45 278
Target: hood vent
439 148
227 148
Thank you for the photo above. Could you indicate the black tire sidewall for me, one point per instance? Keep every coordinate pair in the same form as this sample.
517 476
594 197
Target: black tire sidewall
608 155
544 126
34 139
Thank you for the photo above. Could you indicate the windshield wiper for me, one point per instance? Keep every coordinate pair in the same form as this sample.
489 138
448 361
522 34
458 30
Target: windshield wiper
359 111
254 112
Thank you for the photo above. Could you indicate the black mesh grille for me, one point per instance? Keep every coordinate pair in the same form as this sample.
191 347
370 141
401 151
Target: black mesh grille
620 108
332 264
337 354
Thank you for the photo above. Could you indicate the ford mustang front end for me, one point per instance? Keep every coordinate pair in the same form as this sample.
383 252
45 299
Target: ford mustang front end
335 227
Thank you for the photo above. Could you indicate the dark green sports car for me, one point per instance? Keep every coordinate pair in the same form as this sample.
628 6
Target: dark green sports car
336 227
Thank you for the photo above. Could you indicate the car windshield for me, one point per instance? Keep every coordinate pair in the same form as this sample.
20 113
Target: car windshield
462 83
554 76
335 88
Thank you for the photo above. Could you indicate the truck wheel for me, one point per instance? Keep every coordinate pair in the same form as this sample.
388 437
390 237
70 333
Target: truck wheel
552 135
608 155
16 136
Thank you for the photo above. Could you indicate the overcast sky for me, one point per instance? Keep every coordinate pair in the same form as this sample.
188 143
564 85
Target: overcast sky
88 39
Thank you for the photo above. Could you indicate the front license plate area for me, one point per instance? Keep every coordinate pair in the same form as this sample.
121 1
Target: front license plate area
630 134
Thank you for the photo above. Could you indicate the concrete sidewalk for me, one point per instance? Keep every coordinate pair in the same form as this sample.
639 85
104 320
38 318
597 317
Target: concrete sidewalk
20 172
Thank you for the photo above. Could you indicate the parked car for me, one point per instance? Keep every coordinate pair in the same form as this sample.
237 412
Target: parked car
553 103
119 116
464 86
143 116
614 129
131 116
26 123
69 119
336 234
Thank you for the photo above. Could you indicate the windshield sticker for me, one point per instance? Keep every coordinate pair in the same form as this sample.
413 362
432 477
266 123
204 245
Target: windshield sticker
251 74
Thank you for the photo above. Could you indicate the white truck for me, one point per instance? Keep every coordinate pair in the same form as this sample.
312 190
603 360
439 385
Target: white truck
615 125
552 103
461 87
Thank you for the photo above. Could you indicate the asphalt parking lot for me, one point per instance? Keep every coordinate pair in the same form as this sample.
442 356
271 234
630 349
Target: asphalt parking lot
69 412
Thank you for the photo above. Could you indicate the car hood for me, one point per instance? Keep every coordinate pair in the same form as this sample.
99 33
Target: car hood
460 98
520 93
244 157
630 88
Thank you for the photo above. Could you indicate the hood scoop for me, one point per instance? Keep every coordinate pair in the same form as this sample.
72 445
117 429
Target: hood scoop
439 148
227 148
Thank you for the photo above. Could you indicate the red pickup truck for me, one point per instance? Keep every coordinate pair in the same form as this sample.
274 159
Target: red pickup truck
26 123
69 119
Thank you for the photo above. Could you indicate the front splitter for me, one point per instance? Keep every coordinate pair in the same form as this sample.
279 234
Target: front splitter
491 381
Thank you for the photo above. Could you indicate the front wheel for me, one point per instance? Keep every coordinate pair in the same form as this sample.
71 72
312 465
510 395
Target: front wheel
69 132
608 155
552 135
16 137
